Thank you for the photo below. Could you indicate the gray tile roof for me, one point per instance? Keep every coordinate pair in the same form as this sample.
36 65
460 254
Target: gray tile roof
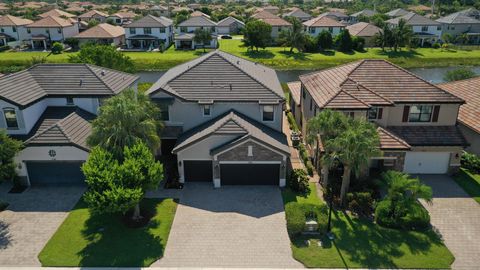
219 76
150 21
413 19
458 18
234 123
397 12
26 87
298 13
198 21
365 12
430 135
228 21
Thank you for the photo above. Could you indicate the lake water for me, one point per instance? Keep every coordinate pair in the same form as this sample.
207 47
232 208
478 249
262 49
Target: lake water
433 75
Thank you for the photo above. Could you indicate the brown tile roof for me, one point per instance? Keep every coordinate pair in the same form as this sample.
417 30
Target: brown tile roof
51 21
469 90
91 13
363 29
270 19
429 135
57 13
295 91
124 15
9 20
103 30
344 100
389 141
323 21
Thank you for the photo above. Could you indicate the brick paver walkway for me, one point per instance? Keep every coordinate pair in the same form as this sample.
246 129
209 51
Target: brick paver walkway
457 217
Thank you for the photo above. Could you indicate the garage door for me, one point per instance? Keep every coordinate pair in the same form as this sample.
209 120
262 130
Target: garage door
198 170
250 174
426 162
55 172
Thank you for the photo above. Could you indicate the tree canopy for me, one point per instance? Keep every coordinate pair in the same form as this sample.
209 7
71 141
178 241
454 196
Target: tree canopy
202 36
9 147
104 56
257 34
294 37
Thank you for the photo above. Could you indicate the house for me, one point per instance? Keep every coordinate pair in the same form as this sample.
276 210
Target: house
299 14
223 121
197 13
159 11
149 32
367 13
422 9
336 15
271 9
49 107
323 23
278 24
103 33
93 15
184 38
468 116
471 12
295 106
46 31
121 18
13 29
424 29
459 23
366 31
415 119
57 13
397 13
229 25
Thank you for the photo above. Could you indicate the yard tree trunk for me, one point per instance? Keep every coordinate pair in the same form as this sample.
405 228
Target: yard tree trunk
136 212
345 184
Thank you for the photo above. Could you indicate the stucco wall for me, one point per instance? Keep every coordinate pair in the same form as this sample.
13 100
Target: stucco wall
315 31
473 138
447 116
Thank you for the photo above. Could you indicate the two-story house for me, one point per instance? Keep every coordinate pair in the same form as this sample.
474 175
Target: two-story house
230 25
323 23
223 121
459 23
103 33
278 24
101 17
46 31
299 14
149 33
416 120
424 29
13 29
185 37
49 107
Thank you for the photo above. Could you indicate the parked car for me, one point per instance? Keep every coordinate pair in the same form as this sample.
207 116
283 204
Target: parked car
226 37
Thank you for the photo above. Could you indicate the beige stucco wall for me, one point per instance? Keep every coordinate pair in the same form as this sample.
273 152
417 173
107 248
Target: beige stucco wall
447 116
473 138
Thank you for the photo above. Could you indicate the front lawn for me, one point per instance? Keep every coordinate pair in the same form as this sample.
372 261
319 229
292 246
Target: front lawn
469 182
86 240
362 244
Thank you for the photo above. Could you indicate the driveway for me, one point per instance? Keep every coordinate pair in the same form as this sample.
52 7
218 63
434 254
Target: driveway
234 226
457 217
30 220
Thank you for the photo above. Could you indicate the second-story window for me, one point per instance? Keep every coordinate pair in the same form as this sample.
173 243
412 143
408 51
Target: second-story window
311 104
29 30
267 114
375 113
311 30
133 31
70 101
10 118
2 30
304 93
212 29
14 29
59 30
183 29
424 28
207 110
420 113
164 115
330 29
162 29
147 30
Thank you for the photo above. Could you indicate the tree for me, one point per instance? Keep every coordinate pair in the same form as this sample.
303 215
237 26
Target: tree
57 48
8 150
447 38
92 23
324 40
295 37
459 74
116 186
402 35
353 148
344 41
181 16
202 36
384 38
104 56
125 119
257 34
111 21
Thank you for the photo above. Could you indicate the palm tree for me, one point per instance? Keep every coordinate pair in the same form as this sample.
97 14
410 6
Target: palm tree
384 37
402 35
294 37
353 148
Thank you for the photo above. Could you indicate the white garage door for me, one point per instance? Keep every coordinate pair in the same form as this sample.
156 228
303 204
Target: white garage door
426 162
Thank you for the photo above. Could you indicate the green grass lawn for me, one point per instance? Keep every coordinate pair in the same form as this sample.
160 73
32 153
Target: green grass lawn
363 244
470 183
85 240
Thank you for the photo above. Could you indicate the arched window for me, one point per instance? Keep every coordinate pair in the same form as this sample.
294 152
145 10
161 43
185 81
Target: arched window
10 118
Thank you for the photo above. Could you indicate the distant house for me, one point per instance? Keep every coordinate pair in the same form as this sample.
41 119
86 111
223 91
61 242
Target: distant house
149 32
229 25
366 31
199 13
103 33
121 18
13 29
420 8
424 29
299 14
184 38
271 9
93 15
323 23
460 23
354 18
336 15
57 13
159 11
397 13
295 101
278 24
51 29
471 12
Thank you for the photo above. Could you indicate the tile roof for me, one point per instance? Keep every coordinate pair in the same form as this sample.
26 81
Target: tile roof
199 13
270 19
150 21
92 13
458 18
388 141
228 21
103 30
220 76
298 13
323 21
363 29
198 21
124 15
57 13
234 123
374 82
9 20
26 87
469 90
51 21
365 12
295 91
429 135
397 12
413 19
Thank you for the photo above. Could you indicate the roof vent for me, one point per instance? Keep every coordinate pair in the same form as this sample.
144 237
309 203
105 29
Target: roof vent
102 72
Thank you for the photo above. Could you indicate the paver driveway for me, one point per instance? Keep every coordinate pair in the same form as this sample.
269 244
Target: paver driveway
31 219
457 217
234 226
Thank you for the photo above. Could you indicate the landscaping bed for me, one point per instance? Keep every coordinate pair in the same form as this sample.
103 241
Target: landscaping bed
470 182
105 241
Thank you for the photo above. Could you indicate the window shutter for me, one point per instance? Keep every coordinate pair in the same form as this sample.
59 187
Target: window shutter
406 111
380 113
436 111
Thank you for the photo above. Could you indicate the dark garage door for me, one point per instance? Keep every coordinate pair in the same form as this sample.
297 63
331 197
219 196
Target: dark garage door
198 170
55 172
250 174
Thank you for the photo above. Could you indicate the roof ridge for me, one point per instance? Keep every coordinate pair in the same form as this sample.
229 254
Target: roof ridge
330 68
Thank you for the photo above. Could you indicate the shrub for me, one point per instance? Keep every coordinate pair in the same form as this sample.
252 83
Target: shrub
309 167
310 44
436 45
295 216
358 44
72 42
57 48
416 217
4 48
360 203
459 74
471 162
319 212
298 181
292 122
343 41
324 40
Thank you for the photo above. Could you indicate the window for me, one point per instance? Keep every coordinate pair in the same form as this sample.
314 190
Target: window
164 115
268 113
424 28
250 151
349 114
119 21
47 31
70 101
206 110
29 30
330 29
311 30
10 118
420 113
162 29
147 30
375 113
133 31
2 30
183 29
439 28
59 30
14 29
212 29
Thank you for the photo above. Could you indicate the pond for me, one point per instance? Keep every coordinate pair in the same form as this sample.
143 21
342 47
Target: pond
433 75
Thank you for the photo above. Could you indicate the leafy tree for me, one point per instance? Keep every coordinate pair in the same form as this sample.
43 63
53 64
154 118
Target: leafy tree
72 42
459 74
8 149
57 48
462 39
344 41
324 40
92 23
202 36
294 37
257 34
181 16
402 35
447 38
384 38
111 21
104 56
116 186
125 119
358 44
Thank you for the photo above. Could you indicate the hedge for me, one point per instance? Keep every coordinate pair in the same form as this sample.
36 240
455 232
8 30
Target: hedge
292 122
297 213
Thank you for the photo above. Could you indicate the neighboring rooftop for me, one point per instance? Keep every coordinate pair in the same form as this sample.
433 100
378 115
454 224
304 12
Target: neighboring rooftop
197 21
92 13
323 21
270 19
430 135
228 21
397 13
297 13
388 141
458 18
103 30
199 13
412 18
365 12
124 15
51 21
57 13
9 20
295 91
363 29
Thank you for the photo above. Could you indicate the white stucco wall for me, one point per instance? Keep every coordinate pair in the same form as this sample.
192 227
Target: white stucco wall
54 33
447 116
314 31
167 36
20 35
